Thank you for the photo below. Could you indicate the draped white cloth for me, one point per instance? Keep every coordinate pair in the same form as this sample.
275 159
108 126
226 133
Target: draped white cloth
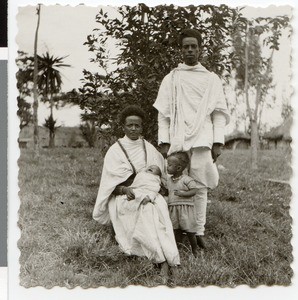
188 96
147 229
145 184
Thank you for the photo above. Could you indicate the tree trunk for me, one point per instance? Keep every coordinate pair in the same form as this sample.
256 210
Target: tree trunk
254 138
254 144
35 92
52 126
255 131
52 139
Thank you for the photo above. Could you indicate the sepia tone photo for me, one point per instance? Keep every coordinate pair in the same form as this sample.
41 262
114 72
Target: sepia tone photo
155 146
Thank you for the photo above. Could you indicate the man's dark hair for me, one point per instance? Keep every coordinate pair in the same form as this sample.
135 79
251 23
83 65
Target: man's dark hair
194 33
131 110
182 157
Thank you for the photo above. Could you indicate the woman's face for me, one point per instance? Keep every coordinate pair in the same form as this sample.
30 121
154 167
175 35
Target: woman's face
133 127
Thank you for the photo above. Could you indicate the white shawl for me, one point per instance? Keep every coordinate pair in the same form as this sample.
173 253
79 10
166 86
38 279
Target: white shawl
183 134
116 169
143 230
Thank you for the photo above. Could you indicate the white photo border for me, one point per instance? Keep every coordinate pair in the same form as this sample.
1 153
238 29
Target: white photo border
17 292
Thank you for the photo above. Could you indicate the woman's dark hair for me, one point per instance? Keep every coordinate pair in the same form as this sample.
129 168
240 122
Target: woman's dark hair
182 157
131 110
194 33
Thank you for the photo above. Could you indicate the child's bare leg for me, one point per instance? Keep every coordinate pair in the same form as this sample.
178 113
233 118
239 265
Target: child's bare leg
193 243
178 236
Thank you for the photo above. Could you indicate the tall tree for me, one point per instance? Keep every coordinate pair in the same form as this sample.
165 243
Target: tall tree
147 40
254 44
48 86
24 85
35 93
49 82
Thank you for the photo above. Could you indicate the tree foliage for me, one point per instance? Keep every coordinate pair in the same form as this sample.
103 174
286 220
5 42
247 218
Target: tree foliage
148 49
49 82
50 123
89 133
253 67
261 36
24 112
49 76
24 85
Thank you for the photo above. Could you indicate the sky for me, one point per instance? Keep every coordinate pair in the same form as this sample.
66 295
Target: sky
63 30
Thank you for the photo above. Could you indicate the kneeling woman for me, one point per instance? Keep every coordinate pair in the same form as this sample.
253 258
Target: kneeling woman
145 230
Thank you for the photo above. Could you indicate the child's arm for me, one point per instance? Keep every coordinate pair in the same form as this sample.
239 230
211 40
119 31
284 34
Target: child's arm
163 190
189 193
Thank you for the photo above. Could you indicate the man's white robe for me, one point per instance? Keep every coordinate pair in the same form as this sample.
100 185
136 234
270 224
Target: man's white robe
192 117
192 108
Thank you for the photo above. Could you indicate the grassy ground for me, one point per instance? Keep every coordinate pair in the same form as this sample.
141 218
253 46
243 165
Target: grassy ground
248 230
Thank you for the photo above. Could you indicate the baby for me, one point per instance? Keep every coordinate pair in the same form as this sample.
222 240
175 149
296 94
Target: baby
146 184
145 187
182 188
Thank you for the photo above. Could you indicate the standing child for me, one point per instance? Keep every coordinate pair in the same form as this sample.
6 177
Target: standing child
182 188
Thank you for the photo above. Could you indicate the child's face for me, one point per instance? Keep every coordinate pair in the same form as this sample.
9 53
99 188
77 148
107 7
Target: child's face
173 165
154 170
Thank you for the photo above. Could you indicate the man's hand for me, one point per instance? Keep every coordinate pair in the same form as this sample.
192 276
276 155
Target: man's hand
216 151
129 193
163 149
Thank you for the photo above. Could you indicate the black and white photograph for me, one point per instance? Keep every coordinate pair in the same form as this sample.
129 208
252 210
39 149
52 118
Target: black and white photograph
154 148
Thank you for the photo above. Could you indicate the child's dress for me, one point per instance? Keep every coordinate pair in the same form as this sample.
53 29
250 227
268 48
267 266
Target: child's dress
181 209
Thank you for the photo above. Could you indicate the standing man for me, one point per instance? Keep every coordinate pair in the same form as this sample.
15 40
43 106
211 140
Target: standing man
192 114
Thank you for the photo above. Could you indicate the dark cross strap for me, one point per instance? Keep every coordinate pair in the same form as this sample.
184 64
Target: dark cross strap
124 151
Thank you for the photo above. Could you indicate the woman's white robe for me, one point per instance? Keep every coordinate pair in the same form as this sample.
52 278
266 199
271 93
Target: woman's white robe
147 230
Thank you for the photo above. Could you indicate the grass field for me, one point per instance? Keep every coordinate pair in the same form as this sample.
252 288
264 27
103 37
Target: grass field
248 231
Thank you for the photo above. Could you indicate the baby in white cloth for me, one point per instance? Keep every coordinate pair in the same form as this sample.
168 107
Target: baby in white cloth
146 186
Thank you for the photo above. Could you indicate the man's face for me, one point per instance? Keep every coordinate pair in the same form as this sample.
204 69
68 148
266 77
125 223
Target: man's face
190 51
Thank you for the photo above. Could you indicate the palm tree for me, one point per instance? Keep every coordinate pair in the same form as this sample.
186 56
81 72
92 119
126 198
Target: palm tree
49 82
